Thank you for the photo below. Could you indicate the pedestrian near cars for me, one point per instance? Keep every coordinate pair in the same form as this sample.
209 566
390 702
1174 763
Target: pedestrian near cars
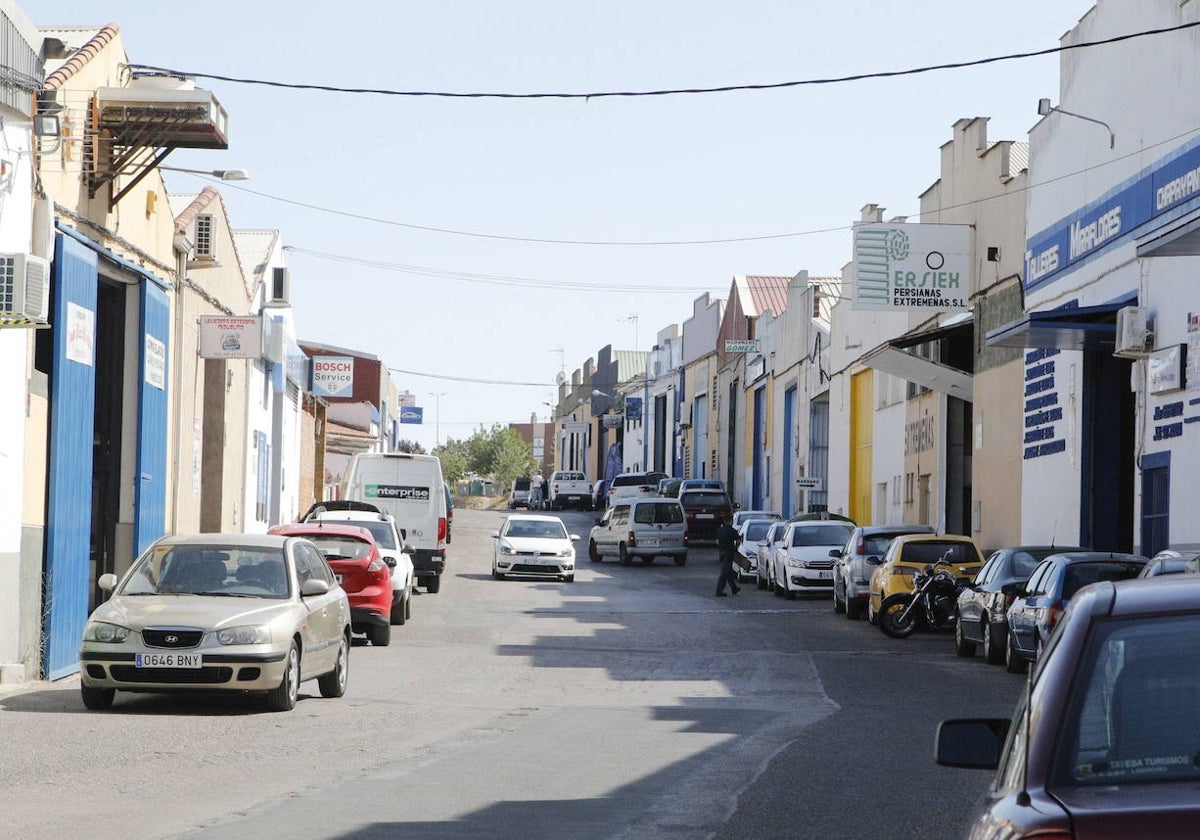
536 482
727 545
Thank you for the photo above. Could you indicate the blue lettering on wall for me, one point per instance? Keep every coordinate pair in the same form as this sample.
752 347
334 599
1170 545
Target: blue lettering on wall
1041 402
1044 433
1039 386
1045 449
1170 430
1164 412
1038 371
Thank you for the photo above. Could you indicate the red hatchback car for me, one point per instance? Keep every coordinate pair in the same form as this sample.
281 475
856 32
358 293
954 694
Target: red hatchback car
1109 744
355 559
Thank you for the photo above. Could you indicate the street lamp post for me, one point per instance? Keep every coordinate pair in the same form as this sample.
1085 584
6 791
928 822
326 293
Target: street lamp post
221 174
437 417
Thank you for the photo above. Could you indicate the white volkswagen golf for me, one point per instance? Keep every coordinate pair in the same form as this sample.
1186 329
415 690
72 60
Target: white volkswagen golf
536 546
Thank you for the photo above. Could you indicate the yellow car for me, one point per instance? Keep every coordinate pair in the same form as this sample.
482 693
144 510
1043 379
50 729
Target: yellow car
909 554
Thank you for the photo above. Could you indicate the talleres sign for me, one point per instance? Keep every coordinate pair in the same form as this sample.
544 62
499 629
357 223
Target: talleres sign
899 266
333 376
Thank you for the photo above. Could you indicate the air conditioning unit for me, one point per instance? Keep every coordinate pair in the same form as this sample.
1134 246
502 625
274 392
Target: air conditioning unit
685 416
281 286
24 289
205 247
1133 333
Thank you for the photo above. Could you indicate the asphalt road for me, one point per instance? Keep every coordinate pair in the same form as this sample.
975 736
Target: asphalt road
628 704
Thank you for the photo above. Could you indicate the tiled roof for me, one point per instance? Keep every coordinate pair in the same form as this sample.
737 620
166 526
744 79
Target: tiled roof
196 205
762 292
97 39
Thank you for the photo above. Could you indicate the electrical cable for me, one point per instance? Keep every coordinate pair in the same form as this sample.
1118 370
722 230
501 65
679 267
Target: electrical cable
473 380
857 77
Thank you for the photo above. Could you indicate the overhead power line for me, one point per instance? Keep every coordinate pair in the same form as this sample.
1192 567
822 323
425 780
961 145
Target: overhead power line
473 380
856 77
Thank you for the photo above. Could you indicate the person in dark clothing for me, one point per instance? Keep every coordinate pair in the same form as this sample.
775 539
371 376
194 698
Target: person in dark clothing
727 544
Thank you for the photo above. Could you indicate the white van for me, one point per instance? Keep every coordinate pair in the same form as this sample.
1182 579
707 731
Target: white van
411 489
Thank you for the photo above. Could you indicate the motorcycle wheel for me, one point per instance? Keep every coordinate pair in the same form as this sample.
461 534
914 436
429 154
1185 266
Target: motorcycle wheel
889 617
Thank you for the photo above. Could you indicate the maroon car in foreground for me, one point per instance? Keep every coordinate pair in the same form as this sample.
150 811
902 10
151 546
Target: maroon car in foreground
1113 742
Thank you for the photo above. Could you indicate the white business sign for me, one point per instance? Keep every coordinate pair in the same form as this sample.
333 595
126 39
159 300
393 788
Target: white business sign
155 363
1165 369
741 345
927 268
333 376
231 337
573 427
810 482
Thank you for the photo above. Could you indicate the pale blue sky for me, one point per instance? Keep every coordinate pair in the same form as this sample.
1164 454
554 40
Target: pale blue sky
711 166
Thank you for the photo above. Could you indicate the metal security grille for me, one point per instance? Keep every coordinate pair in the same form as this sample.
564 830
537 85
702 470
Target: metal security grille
8 285
21 71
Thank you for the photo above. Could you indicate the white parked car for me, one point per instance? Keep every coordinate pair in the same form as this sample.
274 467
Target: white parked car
387 536
753 533
764 561
802 561
534 546
641 528
742 516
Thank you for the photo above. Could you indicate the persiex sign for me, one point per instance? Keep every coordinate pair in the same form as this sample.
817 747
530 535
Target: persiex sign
333 376
913 266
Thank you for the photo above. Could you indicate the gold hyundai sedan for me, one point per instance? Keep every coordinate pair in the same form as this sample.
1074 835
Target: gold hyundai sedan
219 612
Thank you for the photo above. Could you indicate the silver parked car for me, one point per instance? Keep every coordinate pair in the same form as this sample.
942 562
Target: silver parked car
644 528
852 569
233 612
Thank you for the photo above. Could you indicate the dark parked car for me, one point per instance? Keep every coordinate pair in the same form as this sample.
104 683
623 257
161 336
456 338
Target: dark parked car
705 511
983 605
1039 603
1113 732
852 572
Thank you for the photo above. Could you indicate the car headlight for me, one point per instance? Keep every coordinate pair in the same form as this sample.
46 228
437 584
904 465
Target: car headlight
567 552
99 631
793 563
250 634
507 549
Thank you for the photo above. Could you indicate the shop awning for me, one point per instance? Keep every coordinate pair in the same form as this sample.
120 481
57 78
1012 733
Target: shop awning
1091 328
1181 239
894 358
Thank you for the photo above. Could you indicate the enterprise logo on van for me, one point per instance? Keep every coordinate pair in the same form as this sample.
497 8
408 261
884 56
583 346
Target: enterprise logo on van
393 491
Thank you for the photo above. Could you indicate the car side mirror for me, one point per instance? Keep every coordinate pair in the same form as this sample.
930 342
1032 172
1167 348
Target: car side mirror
873 561
1013 590
408 549
834 552
107 582
495 535
573 537
312 587
599 521
971 743
390 561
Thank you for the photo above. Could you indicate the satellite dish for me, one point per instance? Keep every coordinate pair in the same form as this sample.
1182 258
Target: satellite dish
560 377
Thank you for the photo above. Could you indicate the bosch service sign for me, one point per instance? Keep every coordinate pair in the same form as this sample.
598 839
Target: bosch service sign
333 376
401 493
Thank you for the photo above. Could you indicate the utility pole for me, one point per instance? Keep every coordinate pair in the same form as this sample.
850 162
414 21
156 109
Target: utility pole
437 417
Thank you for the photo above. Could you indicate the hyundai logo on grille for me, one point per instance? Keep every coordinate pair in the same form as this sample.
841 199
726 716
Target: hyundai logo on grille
171 639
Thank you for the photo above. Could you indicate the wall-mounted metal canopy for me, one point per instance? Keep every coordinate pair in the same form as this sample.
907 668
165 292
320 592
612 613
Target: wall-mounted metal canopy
1090 328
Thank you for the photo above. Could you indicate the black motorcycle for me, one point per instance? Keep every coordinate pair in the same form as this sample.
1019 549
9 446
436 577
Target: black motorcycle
933 603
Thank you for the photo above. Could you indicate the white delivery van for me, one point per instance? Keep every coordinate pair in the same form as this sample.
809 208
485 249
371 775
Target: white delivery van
411 489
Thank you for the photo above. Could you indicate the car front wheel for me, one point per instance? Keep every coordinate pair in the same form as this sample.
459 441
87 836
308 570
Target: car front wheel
283 697
992 653
1013 663
333 684
97 699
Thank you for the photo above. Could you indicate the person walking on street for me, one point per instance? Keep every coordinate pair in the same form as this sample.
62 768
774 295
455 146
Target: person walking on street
536 498
727 544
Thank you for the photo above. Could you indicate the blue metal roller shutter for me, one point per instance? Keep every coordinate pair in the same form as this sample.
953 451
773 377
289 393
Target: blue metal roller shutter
69 484
151 503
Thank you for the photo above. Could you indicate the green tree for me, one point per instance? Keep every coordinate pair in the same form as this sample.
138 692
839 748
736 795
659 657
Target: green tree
453 455
512 457
410 447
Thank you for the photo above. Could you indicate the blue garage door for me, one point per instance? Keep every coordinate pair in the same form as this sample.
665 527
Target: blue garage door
150 515
69 484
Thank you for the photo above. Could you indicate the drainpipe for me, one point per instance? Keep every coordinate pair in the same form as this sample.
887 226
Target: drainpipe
183 248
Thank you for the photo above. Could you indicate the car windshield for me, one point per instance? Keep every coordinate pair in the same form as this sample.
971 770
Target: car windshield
1134 704
704 500
931 552
658 514
521 484
756 530
251 572
380 529
1079 575
336 547
631 480
820 535
571 476
878 543
536 529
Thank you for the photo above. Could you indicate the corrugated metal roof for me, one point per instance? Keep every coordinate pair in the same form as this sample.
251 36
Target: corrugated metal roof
1018 158
761 292
254 248
630 363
